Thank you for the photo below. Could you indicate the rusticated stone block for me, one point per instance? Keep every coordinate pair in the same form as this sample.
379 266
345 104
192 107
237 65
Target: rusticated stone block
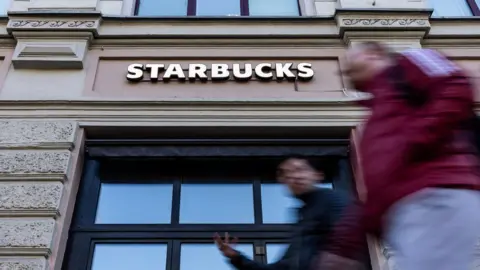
32 132
10 263
26 233
33 162
30 196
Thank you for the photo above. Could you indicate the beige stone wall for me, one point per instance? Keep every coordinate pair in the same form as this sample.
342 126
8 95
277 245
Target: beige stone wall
37 162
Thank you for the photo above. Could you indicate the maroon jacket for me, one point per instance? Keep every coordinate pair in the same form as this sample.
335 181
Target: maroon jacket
404 149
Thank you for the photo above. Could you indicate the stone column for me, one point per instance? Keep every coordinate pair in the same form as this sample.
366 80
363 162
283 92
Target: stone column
37 162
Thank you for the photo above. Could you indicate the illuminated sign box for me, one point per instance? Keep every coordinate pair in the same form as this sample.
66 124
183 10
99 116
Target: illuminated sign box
220 72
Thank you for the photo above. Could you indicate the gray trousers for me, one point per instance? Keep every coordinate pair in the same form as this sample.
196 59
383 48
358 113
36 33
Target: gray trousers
435 229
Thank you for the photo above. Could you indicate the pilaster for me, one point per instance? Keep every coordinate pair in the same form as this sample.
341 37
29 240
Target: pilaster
35 161
57 40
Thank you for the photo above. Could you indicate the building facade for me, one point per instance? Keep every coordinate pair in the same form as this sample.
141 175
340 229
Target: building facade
132 130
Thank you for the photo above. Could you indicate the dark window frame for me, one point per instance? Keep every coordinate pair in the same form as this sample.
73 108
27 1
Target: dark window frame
192 8
474 7
84 233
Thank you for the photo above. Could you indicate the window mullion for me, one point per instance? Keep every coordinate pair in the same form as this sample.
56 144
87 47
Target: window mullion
244 9
257 201
177 184
175 255
474 7
192 8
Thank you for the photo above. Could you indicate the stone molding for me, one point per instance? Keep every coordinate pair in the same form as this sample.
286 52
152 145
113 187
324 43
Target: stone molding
396 40
37 134
50 53
26 236
30 199
13 263
69 25
403 22
18 164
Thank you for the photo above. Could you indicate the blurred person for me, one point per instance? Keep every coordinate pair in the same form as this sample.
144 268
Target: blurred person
321 208
419 160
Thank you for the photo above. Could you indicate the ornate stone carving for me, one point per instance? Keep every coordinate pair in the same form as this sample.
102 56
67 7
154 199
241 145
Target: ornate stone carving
28 198
58 41
21 233
33 162
49 24
23 264
385 22
27 133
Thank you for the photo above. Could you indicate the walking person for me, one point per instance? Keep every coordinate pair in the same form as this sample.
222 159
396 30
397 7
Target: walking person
321 209
419 161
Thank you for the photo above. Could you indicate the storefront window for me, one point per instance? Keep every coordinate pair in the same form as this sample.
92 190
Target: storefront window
216 204
207 256
134 204
130 256
454 8
217 8
275 252
162 7
274 195
273 7
162 213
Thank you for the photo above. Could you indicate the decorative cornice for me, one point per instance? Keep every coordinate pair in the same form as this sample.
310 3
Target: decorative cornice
47 24
372 21
53 25
385 22
54 22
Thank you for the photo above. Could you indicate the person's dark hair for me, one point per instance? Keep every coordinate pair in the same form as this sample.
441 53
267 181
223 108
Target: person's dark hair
314 164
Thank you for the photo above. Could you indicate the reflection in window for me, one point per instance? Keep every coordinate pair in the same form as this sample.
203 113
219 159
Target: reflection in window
129 257
218 7
273 7
162 7
207 256
134 204
216 204
275 252
450 8
278 205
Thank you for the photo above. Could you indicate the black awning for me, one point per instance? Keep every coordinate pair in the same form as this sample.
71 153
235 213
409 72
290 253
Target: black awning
216 148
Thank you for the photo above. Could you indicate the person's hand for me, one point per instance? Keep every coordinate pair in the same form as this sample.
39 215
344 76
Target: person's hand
225 246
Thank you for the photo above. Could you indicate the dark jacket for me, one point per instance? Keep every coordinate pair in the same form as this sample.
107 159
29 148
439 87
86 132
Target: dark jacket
321 209
404 148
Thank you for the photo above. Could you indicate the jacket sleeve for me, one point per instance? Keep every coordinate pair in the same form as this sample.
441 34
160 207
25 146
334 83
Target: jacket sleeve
449 98
243 263
348 238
